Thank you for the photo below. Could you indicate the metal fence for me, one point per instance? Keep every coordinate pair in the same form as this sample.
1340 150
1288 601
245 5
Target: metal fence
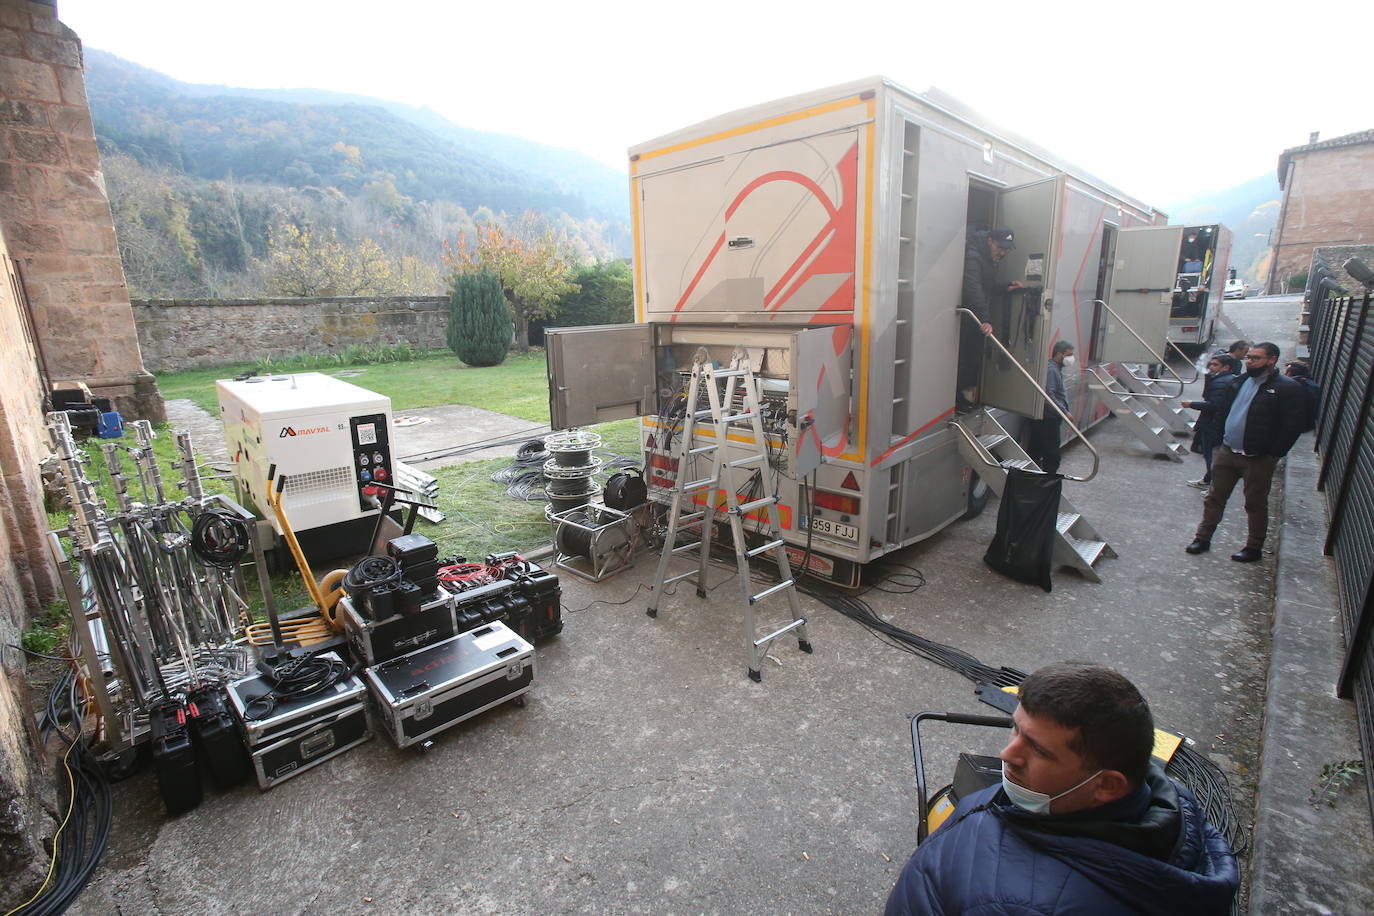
1341 339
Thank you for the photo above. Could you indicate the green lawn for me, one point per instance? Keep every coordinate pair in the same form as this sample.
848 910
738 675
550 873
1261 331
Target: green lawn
518 387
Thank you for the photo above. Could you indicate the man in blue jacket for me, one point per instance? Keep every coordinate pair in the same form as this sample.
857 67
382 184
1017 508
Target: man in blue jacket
1083 822
1261 415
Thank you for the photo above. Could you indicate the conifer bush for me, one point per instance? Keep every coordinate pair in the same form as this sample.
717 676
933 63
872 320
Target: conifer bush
479 321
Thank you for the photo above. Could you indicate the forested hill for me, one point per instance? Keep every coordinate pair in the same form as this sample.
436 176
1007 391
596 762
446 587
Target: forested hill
302 137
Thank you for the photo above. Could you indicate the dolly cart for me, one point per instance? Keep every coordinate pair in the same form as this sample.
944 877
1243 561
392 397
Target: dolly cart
971 773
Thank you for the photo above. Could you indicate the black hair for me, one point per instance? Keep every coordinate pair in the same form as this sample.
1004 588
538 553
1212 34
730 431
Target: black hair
1060 346
1298 368
1112 721
1271 350
1227 360
1238 345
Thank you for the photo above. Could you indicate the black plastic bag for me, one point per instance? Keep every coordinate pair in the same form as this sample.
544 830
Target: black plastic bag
1023 547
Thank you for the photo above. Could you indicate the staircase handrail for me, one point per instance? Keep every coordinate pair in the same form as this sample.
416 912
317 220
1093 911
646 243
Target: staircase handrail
1044 394
1160 360
1096 372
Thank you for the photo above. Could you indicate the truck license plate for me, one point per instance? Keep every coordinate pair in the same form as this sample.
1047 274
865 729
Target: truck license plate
834 529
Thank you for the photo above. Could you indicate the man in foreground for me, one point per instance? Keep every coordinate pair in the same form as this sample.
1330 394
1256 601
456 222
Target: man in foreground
1261 415
1083 822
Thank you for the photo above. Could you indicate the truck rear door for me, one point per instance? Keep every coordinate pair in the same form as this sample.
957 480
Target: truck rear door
599 373
1020 321
1142 291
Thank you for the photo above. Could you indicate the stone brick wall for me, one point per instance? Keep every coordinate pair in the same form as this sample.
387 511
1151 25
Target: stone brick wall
1328 201
27 582
201 333
55 213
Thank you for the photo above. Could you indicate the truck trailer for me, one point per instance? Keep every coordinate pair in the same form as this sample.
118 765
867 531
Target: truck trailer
823 236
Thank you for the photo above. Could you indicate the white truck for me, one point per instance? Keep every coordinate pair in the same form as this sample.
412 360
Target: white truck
1181 272
825 234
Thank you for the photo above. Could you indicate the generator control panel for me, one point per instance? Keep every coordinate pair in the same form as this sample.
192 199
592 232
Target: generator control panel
371 455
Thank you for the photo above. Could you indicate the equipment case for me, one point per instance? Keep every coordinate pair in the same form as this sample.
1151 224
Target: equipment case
427 691
298 734
373 642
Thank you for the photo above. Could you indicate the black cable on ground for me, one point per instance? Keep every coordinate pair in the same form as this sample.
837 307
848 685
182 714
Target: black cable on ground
298 679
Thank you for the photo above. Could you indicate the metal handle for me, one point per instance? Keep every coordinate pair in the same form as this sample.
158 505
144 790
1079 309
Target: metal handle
1044 394
952 717
1159 359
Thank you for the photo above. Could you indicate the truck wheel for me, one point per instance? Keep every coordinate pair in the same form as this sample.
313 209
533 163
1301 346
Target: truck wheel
978 491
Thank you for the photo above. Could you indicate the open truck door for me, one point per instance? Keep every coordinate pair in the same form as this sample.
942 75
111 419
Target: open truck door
1021 320
1142 293
600 373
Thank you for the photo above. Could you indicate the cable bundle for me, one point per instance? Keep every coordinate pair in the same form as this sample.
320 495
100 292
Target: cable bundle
219 538
369 572
81 837
531 454
298 679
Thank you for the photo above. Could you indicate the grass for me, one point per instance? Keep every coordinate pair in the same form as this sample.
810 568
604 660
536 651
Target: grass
518 387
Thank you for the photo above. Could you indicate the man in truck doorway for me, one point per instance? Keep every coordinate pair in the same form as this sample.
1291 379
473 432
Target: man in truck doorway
984 249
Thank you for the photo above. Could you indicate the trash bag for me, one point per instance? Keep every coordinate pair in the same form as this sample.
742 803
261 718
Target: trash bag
1023 547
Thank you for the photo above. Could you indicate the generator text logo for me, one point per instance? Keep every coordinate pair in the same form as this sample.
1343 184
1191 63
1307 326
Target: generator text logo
292 431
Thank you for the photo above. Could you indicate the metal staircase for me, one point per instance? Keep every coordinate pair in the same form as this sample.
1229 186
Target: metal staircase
1133 409
991 451
1179 420
732 396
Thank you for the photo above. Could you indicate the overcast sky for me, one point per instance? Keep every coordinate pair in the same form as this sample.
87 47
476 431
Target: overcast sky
1164 100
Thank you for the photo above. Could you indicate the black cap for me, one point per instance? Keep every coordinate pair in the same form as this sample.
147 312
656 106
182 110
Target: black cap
1003 237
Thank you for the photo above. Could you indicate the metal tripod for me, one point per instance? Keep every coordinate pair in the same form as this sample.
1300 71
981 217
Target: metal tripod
732 396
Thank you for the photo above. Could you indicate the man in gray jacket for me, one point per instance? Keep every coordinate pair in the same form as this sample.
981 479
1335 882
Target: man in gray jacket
1044 434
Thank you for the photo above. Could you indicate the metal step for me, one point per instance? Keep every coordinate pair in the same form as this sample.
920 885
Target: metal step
764 548
990 441
1066 520
773 589
1090 551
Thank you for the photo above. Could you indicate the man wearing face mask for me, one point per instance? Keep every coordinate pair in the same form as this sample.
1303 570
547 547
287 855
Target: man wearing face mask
1084 821
1261 415
1044 434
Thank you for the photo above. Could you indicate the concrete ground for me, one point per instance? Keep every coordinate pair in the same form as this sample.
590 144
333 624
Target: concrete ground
648 775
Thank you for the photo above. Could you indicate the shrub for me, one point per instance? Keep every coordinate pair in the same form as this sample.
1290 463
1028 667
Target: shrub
1298 282
479 319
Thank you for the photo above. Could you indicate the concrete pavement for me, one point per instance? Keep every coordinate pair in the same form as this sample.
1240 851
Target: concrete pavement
648 775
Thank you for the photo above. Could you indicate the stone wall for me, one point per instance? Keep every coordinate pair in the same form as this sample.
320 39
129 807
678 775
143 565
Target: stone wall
27 582
202 333
56 216
1328 200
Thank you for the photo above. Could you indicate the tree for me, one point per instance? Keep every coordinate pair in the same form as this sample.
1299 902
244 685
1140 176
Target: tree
305 263
533 265
479 320
603 296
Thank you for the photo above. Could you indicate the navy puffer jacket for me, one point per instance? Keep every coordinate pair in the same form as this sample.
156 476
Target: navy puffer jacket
991 858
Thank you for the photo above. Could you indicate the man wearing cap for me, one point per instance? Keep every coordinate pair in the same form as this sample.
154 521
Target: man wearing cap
984 249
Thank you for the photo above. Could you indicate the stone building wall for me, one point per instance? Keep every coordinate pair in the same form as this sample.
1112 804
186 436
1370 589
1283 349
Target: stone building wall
1328 201
56 215
201 333
27 582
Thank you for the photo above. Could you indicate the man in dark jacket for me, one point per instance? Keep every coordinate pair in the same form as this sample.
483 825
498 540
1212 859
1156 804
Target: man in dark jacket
984 249
1083 823
1221 371
1262 414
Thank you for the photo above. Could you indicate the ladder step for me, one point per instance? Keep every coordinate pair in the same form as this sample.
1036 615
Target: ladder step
1156 430
695 545
690 519
751 506
1088 551
701 414
698 485
702 449
799 622
671 579
990 441
729 373
1065 521
764 548
1024 464
737 417
772 590
742 462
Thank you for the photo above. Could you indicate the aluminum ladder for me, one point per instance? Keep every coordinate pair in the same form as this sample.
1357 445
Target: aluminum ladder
1131 408
726 390
991 451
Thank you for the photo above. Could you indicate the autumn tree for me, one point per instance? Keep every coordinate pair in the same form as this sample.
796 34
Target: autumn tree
304 262
533 264
479 319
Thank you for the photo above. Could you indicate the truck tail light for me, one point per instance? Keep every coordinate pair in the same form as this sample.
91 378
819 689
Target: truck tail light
849 505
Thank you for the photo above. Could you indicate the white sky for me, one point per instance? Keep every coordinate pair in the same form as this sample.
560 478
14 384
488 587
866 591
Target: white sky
1166 100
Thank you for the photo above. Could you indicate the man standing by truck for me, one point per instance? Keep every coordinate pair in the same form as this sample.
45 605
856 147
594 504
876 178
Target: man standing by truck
1043 444
984 249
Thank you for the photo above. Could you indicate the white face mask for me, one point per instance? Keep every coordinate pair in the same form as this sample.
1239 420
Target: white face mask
1069 362
1035 802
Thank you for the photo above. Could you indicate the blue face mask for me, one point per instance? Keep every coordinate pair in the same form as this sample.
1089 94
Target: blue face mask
1035 802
